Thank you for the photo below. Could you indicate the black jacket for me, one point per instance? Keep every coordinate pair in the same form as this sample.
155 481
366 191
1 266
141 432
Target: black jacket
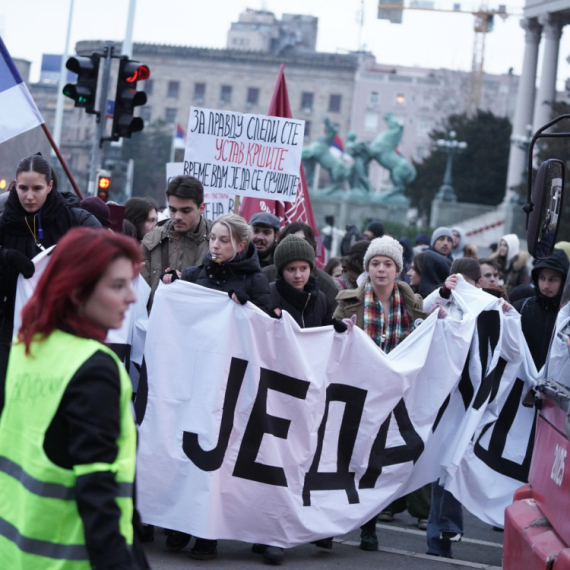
241 275
326 283
55 218
538 313
310 307
435 271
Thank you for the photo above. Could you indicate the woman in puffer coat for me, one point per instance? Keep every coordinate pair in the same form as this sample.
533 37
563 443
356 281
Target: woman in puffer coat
232 264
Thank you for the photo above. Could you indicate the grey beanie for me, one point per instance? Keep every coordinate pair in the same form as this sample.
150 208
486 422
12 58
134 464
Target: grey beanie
293 248
441 232
387 246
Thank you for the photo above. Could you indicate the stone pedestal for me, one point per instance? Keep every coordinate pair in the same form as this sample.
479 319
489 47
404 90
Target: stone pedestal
349 210
449 214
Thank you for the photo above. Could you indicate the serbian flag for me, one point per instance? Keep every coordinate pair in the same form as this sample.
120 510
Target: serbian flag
18 112
287 212
179 137
337 147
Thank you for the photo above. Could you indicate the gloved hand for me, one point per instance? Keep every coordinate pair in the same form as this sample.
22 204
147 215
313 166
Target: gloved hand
241 296
18 260
339 326
170 276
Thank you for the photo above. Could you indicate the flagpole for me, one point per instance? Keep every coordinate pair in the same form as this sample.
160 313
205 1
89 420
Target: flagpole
62 161
236 205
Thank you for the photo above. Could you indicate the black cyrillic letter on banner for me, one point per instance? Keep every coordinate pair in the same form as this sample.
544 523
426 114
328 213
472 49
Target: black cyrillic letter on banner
260 423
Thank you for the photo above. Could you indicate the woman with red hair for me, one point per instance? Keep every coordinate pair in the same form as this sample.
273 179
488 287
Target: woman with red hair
67 436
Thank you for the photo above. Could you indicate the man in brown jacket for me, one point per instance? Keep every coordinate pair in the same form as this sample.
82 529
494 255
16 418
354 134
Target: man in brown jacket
181 241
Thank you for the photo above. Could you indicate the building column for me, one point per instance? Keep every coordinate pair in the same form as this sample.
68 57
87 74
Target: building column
525 101
552 27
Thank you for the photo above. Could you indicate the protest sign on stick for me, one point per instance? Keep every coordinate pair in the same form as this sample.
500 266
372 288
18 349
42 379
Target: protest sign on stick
217 203
245 154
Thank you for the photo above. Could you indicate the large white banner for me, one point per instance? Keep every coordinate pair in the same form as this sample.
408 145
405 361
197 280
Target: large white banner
243 154
256 430
127 342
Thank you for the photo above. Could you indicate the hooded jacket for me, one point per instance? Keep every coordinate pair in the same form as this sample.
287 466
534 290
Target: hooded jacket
435 271
513 269
538 313
241 274
457 251
54 218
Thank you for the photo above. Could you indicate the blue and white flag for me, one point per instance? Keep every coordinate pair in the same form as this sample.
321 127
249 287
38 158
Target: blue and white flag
18 112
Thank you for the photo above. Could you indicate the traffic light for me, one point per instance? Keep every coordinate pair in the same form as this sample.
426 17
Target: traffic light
84 91
127 98
103 185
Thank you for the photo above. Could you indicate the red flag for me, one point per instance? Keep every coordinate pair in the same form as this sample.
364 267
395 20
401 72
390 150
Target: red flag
287 212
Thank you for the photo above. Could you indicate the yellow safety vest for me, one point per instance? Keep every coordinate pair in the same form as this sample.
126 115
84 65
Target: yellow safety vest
40 526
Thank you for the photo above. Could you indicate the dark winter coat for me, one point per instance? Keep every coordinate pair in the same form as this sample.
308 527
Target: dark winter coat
538 313
516 273
55 218
310 307
435 271
327 284
241 275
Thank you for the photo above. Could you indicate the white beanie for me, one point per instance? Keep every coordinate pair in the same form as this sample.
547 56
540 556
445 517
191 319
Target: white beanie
387 246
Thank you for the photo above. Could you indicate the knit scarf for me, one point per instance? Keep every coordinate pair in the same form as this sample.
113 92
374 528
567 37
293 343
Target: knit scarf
387 333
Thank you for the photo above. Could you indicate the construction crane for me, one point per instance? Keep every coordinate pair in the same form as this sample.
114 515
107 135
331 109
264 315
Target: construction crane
392 10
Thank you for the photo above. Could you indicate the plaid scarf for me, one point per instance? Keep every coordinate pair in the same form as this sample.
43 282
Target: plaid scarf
386 333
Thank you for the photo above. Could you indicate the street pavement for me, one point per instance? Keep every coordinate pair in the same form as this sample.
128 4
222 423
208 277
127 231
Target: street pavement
402 546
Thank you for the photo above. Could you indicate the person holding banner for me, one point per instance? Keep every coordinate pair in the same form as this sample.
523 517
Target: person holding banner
182 241
387 310
231 265
36 216
67 434
296 290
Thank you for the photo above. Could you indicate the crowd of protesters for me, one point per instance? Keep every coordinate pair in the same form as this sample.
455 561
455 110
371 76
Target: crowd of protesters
384 285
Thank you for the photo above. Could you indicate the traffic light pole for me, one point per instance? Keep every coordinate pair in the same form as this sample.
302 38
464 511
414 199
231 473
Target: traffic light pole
101 120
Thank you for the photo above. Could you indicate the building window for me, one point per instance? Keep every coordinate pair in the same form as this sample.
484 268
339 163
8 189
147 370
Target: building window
170 116
307 130
371 121
148 85
173 89
226 94
199 92
334 103
400 99
252 96
145 113
374 98
307 102
423 127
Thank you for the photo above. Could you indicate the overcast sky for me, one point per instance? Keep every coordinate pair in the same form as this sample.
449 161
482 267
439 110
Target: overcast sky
32 27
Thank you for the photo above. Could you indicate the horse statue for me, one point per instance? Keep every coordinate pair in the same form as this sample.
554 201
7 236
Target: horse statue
383 150
357 178
319 153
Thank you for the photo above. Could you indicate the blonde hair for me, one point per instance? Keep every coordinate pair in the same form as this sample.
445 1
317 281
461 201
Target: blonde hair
237 227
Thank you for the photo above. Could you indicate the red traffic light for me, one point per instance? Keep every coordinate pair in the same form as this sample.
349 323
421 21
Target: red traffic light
104 182
140 74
